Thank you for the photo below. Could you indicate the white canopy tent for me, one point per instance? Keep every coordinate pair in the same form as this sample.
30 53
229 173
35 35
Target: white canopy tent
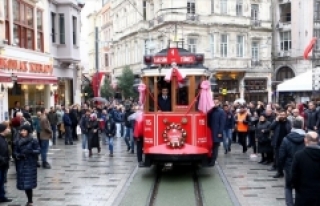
302 82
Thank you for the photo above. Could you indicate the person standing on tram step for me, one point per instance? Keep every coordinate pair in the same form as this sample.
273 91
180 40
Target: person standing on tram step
216 121
164 100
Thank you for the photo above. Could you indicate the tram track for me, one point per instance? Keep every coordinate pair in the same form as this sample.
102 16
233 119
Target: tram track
161 178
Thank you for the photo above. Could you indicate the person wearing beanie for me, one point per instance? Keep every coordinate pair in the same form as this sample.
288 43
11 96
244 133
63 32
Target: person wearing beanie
26 153
4 161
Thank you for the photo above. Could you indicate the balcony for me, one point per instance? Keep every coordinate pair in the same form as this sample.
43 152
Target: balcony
255 63
192 17
255 23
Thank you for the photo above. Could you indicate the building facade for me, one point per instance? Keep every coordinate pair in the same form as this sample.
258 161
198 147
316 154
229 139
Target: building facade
292 34
25 60
235 37
64 37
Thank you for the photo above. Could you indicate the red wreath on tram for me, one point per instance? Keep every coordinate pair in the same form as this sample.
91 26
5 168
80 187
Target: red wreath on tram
174 135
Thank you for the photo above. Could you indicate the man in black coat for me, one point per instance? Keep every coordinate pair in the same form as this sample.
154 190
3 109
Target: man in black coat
4 161
291 144
306 172
281 127
164 101
313 118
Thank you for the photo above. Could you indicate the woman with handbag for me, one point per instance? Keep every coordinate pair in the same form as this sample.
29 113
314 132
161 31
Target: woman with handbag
264 141
26 152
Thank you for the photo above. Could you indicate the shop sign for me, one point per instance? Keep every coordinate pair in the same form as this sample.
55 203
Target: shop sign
7 64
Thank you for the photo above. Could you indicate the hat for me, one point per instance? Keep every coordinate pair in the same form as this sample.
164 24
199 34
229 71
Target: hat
3 127
26 127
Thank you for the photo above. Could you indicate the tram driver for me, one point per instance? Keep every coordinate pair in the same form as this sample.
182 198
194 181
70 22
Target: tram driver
164 100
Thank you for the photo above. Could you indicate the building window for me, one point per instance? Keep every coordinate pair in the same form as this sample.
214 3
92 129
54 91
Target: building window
284 73
144 10
191 7
212 6
255 51
285 13
316 33
62 29
224 45
106 60
240 46
317 11
254 12
6 17
212 45
53 27
192 44
285 41
74 30
224 6
40 30
23 30
239 8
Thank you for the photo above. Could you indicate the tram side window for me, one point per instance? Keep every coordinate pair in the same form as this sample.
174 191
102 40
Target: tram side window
183 93
151 89
198 89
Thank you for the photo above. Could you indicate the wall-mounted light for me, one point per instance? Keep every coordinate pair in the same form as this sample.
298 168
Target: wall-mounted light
54 88
40 87
24 87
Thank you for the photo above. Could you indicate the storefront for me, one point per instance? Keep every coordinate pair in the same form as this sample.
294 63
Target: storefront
27 78
256 90
227 90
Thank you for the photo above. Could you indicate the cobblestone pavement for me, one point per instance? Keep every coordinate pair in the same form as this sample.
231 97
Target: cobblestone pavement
251 183
75 179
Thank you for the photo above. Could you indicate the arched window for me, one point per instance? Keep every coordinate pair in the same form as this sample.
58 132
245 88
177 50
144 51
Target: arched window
284 73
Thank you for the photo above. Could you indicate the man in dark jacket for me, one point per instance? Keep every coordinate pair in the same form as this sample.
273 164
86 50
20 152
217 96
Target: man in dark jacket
84 125
53 119
4 160
129 129
68 128
313 118
306 172
216 121
228 129
291 144
281 127
164 100
110 130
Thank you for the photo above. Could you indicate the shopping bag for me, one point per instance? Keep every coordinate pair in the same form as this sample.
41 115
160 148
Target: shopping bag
78 130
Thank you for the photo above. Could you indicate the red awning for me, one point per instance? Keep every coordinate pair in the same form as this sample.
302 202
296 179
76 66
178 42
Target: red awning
5 77
36 79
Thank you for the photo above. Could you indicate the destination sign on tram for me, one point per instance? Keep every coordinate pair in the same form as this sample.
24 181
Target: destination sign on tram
178 60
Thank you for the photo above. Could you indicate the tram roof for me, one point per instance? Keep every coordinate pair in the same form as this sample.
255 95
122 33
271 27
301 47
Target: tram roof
193 71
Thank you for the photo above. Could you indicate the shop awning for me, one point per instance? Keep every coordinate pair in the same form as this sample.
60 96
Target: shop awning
35 79
302 82
5 77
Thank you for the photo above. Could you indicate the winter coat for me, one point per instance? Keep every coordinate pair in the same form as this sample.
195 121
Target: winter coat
229 124
216 121
53 118
291 144
26 152
66 120
264 141
46 132
110 128
118 116
4 154
306 176
36 124
60 114
128 123
74 117
313 119
278 135
84 124
93 140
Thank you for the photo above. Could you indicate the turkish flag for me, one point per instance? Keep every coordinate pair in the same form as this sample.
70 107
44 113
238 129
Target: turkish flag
309 47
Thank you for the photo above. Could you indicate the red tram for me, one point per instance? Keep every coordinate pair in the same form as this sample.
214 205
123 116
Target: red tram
178 134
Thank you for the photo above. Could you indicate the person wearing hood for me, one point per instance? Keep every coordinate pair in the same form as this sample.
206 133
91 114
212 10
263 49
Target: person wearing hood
305 172
291 144
26 153
264 142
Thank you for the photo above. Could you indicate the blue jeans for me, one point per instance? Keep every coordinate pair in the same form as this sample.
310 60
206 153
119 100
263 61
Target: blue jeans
54 133
44 150
84 138
110 144
2 192
227 138
129 138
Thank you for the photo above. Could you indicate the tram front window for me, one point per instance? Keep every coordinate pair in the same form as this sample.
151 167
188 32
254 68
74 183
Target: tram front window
164 97
182 97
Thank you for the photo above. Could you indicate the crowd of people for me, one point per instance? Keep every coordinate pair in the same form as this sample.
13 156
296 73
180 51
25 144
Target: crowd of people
283 137
287 139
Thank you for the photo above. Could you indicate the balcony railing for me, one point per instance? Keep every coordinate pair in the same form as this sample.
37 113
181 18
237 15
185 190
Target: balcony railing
256 23
255 63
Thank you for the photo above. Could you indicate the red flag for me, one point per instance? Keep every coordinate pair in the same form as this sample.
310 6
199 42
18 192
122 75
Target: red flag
309 47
